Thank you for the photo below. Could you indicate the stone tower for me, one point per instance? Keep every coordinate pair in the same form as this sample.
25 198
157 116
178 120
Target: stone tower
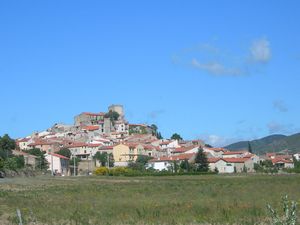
117 108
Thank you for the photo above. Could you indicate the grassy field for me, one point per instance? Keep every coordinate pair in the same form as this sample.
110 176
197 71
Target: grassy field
212 199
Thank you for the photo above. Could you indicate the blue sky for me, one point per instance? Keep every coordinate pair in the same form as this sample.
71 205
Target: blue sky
217 70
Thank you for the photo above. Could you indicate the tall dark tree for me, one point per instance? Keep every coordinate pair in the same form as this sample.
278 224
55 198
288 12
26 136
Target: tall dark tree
6 146
159 136
176 136
250 147
154 129
201 161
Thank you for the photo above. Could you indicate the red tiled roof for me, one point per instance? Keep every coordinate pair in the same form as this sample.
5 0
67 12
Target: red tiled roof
213 160
131 144
77 145
184 149
106 147
235 160
59 156
235 153
165 143
42 142
94 145
24 140
278 160
90 128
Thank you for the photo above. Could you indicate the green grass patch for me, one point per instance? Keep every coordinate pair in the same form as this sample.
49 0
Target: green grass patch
213 199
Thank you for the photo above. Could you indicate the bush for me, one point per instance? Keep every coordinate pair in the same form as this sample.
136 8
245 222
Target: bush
289 216
101 171
119 171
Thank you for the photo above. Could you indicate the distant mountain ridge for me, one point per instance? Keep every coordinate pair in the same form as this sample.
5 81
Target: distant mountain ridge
272 143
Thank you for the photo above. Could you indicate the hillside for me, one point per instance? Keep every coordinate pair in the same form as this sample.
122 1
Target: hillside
272 143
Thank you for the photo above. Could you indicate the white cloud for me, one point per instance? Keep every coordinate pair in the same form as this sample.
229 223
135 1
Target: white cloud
219 141
280 105
222 61
278 128
216 68
261 51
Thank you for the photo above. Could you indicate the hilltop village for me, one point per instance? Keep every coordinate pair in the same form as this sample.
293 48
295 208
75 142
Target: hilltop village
110 133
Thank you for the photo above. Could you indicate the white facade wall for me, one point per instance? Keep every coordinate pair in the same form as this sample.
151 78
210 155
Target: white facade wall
297 156
222 166
57 167
173 144
159 165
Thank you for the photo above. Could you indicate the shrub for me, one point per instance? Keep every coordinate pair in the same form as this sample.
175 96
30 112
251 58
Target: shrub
289 216
119 171
101 171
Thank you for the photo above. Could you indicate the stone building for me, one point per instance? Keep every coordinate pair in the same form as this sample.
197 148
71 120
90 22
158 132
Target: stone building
87 118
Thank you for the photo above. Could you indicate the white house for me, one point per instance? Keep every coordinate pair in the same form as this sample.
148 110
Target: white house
165 163
283 163
297 156
58 164
221 165
231 165
23 143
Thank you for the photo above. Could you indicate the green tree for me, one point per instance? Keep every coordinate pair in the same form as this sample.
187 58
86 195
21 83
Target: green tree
43 164
201 161
11 163
20 161
143 159
154 129
175 166
159 136
114 116
65 152
176 136
77 160
140 162
103 158
185 165
6 146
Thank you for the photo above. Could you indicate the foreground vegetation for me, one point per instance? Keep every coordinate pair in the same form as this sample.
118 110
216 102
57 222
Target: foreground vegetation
209 199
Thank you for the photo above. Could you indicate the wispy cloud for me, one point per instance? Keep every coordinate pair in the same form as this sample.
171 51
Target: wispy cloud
218 141
155 113
279 128
260 51
216 61
216 68
280 105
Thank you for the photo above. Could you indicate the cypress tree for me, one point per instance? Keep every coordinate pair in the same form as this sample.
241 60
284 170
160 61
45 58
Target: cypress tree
201 161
